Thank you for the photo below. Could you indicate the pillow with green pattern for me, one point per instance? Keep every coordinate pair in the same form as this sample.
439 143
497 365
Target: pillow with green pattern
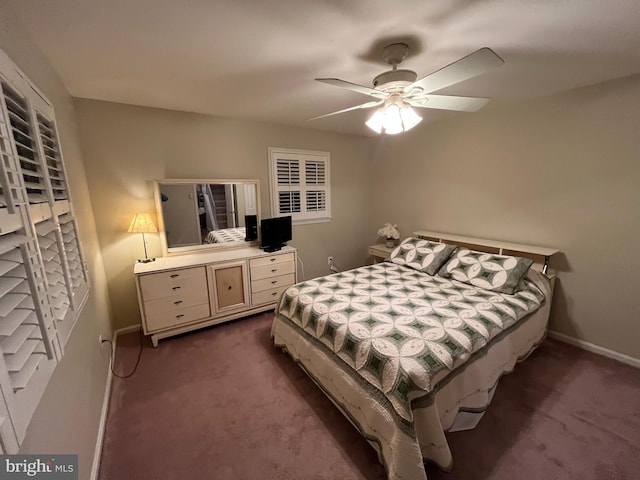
499 273
422 255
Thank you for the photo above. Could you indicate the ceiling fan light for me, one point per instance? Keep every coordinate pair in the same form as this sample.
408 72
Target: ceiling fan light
393 119
376 121
392 123
409 118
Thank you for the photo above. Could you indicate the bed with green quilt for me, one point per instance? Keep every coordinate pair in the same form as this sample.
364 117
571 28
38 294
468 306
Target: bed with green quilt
414 346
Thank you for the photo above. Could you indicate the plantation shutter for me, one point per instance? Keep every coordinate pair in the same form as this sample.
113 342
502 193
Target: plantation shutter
315 179
28 341
43 280
288 186
300 185
77 271
21 341
49 141
24 139
40 171
50 242
11 190
69 279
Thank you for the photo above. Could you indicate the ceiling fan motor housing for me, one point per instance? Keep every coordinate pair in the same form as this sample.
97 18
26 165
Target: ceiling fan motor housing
405 76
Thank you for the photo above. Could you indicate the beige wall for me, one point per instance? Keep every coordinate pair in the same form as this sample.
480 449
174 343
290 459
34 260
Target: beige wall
561 172
66 420
126 147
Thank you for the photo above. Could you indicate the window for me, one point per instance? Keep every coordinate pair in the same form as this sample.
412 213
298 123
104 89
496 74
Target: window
43 278
300 185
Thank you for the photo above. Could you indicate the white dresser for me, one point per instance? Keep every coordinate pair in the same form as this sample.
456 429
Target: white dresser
183 293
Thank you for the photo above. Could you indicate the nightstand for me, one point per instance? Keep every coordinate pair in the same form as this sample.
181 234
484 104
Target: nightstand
379 252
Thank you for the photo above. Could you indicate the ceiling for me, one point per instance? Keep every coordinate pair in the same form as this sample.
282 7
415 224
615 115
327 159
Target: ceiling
255 59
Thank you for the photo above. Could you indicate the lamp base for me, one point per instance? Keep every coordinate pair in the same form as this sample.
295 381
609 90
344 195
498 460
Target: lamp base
146 260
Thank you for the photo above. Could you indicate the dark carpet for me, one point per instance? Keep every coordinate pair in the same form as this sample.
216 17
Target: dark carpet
223 403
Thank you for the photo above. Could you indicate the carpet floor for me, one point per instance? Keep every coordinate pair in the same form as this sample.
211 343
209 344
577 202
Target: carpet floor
224 404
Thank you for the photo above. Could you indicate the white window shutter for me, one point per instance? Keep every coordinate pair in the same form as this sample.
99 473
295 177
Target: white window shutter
72 248
50 242
53 161
22 130
11 190
68 279
288 172
27 355
43 280
300 185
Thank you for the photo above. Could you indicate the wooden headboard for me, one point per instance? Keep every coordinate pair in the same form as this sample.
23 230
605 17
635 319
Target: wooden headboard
539 255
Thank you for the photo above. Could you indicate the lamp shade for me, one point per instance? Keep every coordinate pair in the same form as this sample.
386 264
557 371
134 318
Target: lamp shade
142 223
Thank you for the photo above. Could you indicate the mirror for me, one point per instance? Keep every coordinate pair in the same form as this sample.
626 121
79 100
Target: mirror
203 213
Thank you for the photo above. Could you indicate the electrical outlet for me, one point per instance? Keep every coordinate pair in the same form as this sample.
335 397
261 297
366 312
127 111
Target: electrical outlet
329 261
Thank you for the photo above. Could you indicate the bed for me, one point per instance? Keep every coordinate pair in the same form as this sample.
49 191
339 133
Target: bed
411 348
224 235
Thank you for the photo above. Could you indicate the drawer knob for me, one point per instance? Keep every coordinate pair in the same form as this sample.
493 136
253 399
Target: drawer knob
274 294
179 316
274 270
175 275
272 259
273 282
177 302
229 287
175 288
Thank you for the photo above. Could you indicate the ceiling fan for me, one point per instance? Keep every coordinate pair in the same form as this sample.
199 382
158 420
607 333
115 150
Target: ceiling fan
396 91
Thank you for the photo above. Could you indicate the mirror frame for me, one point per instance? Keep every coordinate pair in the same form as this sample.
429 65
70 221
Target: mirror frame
172 251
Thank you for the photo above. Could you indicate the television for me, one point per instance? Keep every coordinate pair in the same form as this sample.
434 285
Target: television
275 233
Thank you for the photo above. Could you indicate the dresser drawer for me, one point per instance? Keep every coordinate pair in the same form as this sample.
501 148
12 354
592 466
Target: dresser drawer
188 296
158 318
273 282
164 284
267 296
270 260
273 270
175 302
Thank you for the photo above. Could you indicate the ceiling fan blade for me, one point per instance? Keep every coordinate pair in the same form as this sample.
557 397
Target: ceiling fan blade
472 65
357 107
449 102
354 87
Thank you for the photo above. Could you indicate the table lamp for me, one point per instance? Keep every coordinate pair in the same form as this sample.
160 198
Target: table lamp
142 223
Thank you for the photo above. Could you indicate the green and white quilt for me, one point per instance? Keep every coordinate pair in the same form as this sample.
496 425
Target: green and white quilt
402 331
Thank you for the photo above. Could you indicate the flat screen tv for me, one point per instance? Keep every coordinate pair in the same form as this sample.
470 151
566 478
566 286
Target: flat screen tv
275 233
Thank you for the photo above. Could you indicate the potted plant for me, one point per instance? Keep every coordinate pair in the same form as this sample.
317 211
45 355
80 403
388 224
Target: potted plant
390 233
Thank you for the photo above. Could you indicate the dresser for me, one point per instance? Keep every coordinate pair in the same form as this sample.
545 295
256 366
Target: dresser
187 292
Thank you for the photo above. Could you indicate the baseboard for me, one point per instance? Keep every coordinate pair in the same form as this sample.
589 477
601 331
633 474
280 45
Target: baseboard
605 352
97 454
129 329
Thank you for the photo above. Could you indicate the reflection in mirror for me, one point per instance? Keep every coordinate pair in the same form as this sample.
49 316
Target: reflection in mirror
200 213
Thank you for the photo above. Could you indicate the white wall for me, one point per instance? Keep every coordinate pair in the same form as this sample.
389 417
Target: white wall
66 420
126 147
561 172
